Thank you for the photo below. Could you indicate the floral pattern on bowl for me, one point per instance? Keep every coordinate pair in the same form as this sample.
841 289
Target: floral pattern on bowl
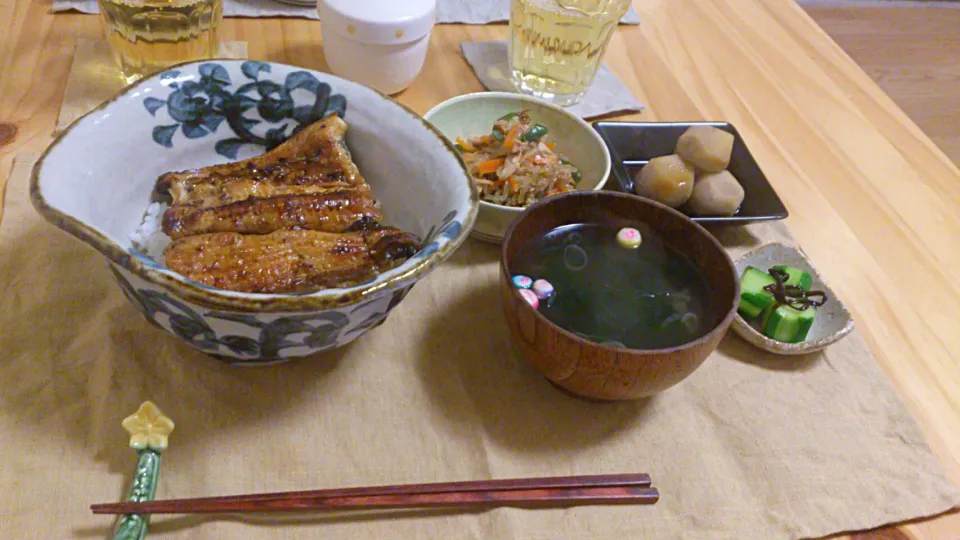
246 338
832 323
198 107
96 180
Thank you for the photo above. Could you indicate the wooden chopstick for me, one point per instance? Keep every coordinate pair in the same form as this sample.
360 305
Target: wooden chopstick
525 497
593 489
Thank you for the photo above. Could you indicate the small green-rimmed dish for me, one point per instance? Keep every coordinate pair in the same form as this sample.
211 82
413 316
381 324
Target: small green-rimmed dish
97 178
471 115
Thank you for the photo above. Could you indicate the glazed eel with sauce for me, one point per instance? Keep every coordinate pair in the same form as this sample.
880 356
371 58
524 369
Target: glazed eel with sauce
297 218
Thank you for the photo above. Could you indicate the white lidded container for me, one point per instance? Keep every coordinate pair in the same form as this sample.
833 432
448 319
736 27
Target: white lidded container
378 43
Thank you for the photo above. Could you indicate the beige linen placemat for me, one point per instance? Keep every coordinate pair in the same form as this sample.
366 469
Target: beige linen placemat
751 446
95 78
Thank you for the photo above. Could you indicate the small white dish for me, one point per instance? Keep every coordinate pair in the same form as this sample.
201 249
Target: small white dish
832 323
474 114
378 43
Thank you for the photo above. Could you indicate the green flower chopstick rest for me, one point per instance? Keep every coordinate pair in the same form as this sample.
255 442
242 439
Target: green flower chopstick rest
149 429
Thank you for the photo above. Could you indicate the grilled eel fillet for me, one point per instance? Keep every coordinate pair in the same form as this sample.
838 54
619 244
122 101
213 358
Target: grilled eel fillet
321 138
335 211
289 261
309 181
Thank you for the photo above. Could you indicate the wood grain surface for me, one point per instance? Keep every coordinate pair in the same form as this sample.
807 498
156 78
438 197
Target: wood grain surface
913 53
873 200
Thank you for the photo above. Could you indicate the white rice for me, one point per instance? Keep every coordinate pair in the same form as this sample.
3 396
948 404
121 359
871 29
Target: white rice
149 237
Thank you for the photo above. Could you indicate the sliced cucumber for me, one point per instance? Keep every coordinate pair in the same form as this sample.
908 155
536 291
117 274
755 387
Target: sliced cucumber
749 310
796 277
789 325
752 296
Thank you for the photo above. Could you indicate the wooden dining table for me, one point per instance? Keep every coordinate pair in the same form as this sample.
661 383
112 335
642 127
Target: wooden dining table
871 199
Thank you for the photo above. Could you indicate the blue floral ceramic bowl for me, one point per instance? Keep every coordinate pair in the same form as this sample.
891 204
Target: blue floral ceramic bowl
96 180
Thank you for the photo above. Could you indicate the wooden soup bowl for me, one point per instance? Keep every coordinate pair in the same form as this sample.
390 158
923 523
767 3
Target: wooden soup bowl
596 371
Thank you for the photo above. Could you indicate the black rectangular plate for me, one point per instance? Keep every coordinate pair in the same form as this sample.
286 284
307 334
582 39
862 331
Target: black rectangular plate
632 144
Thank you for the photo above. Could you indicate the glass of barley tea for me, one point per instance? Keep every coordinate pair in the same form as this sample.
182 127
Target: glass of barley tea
556 45
147 36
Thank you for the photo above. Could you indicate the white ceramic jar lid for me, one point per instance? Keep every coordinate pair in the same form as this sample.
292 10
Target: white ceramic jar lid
379 22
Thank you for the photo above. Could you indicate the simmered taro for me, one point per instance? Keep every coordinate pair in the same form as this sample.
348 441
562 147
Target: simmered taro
705 147
715 194
667 180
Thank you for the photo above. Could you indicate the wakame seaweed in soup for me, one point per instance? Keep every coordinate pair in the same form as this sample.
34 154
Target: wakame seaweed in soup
647 297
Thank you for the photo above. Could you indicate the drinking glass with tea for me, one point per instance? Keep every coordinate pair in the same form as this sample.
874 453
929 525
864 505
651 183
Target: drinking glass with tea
556 45
147 36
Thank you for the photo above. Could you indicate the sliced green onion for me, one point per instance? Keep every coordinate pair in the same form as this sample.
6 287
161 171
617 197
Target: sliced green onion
535 133
508 116
577 176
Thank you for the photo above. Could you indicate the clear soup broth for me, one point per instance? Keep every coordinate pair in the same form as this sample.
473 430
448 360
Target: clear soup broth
648 297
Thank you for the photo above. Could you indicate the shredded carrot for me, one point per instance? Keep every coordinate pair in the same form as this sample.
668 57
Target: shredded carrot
511 137
466 146
540 171
489 166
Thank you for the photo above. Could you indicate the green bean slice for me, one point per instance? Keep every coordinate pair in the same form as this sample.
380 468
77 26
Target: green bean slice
535 134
